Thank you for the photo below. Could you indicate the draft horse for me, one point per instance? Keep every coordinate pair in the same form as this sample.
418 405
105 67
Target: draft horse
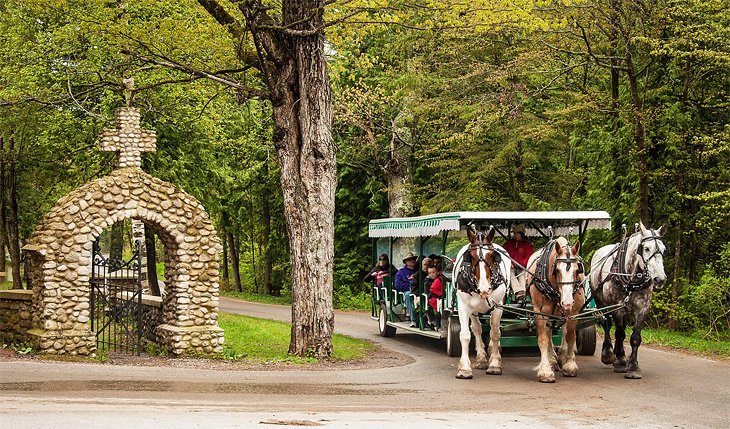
482 279
628 272
555 278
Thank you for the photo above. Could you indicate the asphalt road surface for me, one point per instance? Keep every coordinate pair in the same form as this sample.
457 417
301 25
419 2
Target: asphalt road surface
677 391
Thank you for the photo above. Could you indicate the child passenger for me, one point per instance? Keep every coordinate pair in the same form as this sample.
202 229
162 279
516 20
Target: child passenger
435 291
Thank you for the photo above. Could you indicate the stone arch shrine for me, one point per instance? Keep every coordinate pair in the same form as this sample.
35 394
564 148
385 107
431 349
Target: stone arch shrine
61 251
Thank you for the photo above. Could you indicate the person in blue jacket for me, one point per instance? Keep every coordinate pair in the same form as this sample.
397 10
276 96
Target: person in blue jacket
403 279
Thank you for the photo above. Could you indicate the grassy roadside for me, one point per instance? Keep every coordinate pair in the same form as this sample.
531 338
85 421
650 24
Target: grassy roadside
718 347
266 341
257 297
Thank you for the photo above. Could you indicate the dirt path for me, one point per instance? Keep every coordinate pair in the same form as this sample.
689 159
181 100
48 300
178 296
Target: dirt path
676 391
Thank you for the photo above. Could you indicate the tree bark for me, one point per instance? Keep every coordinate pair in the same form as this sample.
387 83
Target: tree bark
399 173
302 111
613 38
291 58
232 254
12 233
639 138
116 241
3 211
151 248
266 233
225 260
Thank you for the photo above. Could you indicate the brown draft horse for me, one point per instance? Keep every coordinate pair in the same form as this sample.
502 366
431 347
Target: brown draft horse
555 275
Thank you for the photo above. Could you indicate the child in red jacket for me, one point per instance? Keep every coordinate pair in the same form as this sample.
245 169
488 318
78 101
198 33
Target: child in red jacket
435 291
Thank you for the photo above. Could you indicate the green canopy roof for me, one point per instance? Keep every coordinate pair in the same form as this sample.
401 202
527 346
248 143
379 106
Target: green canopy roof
429 225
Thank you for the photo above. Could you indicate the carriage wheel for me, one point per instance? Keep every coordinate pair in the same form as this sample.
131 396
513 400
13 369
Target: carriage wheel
453 343
383 327
585 341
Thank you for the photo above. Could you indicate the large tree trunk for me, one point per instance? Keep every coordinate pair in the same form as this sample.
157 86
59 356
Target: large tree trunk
639 138
291 57
302 111
12 233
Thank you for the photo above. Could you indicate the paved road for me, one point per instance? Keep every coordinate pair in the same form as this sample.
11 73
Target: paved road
676 391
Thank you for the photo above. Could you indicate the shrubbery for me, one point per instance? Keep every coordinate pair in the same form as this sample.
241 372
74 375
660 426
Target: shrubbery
703 307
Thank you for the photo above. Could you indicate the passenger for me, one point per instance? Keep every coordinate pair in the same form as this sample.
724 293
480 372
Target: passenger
381 269
437 261
414 290
519 249
435 291
404 275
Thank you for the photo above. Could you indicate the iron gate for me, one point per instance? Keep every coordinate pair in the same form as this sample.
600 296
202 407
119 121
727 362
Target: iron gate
116 301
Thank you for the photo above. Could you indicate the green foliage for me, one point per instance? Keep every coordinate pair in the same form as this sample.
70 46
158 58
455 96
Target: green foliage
21 348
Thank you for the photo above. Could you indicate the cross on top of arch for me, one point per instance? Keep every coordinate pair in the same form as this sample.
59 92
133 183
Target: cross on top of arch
128 140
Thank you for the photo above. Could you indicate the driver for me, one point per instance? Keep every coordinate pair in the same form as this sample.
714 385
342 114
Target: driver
519 249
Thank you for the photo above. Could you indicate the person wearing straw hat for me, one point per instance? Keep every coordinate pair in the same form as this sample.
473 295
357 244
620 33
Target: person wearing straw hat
403 281
519 249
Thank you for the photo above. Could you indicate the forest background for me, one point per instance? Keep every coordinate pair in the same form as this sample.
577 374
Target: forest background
616 105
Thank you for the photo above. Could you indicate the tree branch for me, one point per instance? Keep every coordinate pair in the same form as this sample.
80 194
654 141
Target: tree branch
252 92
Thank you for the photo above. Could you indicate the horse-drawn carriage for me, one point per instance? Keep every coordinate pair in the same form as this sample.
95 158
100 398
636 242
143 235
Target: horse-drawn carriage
465 241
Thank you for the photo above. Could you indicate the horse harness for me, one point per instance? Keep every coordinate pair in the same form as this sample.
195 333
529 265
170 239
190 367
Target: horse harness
541 276
638 280
466 281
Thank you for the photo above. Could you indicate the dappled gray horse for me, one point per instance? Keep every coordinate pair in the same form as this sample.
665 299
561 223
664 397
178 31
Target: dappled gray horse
627 273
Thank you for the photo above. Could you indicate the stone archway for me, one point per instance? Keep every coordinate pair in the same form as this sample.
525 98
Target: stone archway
60 253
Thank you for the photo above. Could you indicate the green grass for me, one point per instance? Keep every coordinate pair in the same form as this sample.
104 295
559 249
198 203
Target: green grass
257 297
265 341
718 346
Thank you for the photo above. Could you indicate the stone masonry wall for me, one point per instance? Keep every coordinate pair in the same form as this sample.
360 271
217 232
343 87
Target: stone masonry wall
15 315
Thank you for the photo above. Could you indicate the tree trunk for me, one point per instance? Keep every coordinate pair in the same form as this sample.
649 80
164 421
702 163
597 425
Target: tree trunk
639 139
291 58
3 211
116 241
302 111
151 248
613 38
233 255
252 232
225 260
399 174
266 234
12 233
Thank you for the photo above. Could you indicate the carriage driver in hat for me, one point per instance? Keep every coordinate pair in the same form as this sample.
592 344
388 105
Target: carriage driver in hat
519 249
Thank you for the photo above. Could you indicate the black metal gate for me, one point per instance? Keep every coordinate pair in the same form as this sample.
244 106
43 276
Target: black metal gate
116 302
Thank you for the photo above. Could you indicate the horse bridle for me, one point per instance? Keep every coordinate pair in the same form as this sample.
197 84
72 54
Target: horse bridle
640 248
632 282
496 278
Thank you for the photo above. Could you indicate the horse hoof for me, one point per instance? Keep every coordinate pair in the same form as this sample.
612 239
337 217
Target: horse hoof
570 369
633 375
494 370
608 358
619 368
547 379
464 375
481 365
